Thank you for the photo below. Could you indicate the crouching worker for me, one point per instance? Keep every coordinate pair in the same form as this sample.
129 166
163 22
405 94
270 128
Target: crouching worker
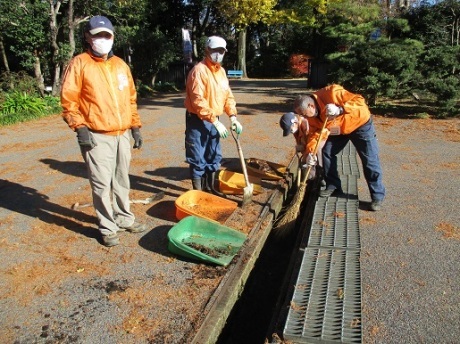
348 118
298 126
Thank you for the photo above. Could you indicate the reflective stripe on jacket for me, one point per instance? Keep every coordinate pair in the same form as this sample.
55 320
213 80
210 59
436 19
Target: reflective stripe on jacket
355 112
208 92
99 94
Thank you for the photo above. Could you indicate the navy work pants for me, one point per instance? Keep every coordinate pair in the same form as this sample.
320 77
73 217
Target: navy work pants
203 151
365 141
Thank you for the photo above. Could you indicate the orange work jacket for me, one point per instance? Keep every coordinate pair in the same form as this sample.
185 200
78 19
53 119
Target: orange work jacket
208 92
355 112
99 94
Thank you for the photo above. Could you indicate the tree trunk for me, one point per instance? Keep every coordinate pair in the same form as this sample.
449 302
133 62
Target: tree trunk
72 24
3 53
54 10
57 80
39 75
242 52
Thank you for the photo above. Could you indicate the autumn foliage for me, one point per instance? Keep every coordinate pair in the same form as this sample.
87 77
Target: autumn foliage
298 65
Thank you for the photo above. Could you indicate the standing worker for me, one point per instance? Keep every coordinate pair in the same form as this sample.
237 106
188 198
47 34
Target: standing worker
208 96
349 119
99 103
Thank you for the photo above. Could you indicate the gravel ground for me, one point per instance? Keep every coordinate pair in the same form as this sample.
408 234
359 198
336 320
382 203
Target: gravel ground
59 285
411 249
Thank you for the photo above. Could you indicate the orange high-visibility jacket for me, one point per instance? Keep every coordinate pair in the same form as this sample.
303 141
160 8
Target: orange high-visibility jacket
208 92
99 94
355 112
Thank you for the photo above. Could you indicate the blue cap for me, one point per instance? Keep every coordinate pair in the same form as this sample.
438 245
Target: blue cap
98 24
286 122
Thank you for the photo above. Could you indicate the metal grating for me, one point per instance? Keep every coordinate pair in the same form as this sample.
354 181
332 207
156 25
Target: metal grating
349 149
335 224
350 185
347 162
326 305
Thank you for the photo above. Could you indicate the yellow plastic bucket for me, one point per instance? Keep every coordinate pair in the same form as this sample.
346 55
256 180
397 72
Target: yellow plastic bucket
233 183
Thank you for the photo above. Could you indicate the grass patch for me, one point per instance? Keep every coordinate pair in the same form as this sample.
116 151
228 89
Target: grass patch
21 107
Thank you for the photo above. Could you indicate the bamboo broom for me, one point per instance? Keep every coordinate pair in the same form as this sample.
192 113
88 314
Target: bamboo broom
287 221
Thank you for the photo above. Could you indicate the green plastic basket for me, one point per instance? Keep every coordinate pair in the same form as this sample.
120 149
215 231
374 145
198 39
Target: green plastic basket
200 239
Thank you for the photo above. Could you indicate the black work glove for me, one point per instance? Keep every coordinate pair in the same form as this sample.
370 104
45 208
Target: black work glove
137 137
85 139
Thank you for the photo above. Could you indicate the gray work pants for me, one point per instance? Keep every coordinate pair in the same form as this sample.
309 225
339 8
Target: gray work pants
108 173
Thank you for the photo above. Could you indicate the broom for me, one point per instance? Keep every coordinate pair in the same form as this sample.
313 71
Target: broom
287 222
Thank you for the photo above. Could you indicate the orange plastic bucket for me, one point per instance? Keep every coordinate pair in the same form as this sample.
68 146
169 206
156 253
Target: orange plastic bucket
204 205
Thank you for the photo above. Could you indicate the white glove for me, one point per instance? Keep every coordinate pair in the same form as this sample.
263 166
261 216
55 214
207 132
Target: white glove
311 160
236 126
333 110
223 132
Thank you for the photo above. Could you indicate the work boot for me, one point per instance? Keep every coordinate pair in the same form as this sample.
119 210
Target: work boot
136 227
211 181
110 240
196 183
376 205
331 191
205 184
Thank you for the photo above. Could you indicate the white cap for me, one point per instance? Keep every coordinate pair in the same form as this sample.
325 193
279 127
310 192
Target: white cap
216 42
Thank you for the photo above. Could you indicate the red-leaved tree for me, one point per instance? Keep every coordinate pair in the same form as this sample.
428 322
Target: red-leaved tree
298 65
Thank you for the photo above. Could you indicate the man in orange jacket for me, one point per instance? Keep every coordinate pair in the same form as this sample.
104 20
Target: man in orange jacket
99 103
349 119
208 96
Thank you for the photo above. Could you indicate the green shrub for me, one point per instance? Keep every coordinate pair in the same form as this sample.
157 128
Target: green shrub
17 102
143 91
20 107
53 105
378 69
18 82
165 87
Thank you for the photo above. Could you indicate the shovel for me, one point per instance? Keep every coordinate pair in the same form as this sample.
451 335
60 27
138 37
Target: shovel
155 197
247 190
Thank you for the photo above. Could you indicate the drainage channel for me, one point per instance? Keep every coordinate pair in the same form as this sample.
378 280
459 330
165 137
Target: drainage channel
306 288
324 303
251 317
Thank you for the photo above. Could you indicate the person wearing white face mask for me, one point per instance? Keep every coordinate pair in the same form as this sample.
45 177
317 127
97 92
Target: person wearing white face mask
208 96
99 103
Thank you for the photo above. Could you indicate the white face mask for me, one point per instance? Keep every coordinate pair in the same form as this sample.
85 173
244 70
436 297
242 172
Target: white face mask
294 127
102 46
217 58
